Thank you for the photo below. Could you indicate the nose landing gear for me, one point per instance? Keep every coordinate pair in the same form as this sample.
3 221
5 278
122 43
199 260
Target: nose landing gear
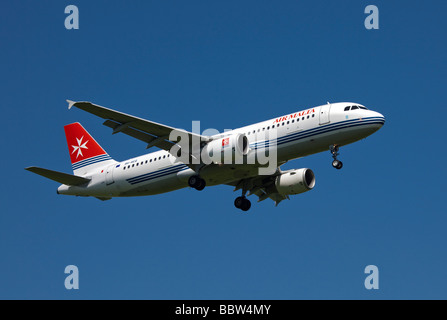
337 164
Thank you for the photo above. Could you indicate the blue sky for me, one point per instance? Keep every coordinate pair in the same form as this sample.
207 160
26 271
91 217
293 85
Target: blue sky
227 64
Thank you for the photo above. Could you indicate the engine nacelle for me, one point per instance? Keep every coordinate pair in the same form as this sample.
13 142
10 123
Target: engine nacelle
295 181
226 150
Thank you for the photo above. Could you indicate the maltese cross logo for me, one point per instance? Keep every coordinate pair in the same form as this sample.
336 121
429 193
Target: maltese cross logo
79 147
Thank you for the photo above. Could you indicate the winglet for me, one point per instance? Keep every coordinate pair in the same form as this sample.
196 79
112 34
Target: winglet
70 104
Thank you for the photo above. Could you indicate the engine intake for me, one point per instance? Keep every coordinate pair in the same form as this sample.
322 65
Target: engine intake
295 181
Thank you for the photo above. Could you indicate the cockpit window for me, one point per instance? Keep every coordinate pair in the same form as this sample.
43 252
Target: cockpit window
355 108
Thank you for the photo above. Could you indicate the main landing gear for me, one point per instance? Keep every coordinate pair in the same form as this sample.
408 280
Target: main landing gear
337 164
196 182
242 203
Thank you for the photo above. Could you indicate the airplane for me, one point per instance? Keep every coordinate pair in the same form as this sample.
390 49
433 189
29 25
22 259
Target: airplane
180 164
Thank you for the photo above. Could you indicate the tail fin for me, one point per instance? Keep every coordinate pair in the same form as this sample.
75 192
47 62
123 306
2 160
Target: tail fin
85 153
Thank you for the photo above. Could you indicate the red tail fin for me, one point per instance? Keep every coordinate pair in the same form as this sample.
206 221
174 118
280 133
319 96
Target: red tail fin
83 149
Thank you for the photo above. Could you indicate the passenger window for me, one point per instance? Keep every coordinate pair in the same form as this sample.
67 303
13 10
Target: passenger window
313 116
268 128
159 158
308 117
150 160
133 165
293 121
164 157
288 122
302 118
155 159
283 123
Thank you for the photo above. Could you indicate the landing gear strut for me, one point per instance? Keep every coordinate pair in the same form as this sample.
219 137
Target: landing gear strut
337 164
196 182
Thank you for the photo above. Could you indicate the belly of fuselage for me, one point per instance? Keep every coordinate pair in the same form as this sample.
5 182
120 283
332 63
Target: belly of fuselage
292 146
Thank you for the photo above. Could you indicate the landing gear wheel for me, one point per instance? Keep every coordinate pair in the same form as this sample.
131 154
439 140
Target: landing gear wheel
201 185
337 164
238 202
246 204
192 181
196 182
242 203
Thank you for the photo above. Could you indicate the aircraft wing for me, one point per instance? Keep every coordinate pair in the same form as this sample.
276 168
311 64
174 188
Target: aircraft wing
153 133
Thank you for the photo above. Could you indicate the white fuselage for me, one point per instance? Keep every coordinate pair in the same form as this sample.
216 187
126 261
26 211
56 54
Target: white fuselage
297 135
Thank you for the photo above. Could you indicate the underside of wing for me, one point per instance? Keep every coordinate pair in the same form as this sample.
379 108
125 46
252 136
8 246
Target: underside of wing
279 185
261 186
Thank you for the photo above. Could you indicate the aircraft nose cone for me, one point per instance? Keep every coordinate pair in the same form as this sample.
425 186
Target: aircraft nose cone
380 118
383 118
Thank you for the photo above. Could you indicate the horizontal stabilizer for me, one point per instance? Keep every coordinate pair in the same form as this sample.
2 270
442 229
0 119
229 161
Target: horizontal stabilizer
64 178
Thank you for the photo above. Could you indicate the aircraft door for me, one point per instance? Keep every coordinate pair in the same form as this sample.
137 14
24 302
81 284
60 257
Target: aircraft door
324 113
109 174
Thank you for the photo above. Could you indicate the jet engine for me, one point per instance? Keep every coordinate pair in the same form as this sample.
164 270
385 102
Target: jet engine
295 181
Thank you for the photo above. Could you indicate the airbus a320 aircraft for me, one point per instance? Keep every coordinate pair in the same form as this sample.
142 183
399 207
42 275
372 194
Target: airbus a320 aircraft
177 165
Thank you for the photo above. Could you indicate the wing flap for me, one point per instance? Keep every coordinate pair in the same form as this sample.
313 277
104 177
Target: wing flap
151 140
64 178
